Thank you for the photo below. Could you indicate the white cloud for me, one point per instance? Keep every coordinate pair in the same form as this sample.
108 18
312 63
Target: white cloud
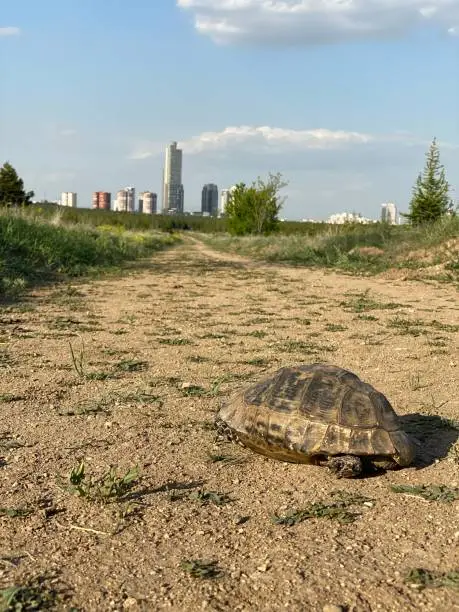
259 139
265 137
9 31
316 21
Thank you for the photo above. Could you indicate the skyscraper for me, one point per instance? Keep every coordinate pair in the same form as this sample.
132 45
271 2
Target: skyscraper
209 200
173 193
389 213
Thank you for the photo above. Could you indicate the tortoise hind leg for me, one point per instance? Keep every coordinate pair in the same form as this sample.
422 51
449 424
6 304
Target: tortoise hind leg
385 464
345 466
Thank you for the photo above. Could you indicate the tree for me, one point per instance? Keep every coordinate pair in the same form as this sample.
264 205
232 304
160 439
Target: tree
430 199
255 209
12 187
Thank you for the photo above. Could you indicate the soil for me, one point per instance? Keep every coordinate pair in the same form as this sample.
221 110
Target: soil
155 353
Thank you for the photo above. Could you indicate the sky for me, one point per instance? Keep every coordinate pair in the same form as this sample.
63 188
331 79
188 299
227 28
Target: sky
342 97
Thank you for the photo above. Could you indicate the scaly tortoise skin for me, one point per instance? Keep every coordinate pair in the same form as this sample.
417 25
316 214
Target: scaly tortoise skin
319 414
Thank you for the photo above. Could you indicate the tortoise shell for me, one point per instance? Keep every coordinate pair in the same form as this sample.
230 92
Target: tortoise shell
306 412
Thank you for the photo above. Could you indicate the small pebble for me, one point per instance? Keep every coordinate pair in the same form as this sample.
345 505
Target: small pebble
264 566
332 608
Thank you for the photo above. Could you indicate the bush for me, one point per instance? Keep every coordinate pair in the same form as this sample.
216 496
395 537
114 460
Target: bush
255 209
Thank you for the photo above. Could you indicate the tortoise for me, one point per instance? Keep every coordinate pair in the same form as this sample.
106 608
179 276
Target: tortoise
319 414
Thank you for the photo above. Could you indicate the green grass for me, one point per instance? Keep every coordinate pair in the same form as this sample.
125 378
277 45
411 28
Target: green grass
340 509
38 593
110 487
338 246
15 512
420 578
441 493
127 221
34 251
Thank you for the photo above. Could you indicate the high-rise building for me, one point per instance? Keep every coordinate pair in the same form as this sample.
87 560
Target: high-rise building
148 202
125 200
101 200
69 198
173 193
389 213
224 199
209 200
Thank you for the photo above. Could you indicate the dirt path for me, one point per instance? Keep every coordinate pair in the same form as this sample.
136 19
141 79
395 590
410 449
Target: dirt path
161 349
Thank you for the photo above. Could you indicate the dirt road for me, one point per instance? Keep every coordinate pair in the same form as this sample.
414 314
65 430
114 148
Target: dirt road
161 348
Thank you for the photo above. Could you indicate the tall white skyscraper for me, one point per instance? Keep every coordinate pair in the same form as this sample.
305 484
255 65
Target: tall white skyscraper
69 198
389 213
173 193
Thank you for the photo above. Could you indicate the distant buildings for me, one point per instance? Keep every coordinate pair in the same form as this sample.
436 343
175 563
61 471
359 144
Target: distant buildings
148 202
389 213
209 200
173 193
346 217
69 198
125 200
101 200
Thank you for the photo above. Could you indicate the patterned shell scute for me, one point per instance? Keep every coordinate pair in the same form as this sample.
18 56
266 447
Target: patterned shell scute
321 393
325 394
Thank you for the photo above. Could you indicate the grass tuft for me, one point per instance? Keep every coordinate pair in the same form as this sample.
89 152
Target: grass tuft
110 487
441 493
341 510
15 512
38 593
420 578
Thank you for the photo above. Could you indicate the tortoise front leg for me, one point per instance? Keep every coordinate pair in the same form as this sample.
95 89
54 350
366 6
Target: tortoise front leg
345 466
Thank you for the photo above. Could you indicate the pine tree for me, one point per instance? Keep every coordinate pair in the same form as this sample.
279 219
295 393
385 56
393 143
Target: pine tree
430 199
12 187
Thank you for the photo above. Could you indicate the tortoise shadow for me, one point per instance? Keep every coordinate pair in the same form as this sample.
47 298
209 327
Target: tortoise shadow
432 435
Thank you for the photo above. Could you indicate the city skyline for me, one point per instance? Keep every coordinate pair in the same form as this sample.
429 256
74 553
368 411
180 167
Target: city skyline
213 202
341 109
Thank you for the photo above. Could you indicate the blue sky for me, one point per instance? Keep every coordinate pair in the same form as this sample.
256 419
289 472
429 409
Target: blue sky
342 98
